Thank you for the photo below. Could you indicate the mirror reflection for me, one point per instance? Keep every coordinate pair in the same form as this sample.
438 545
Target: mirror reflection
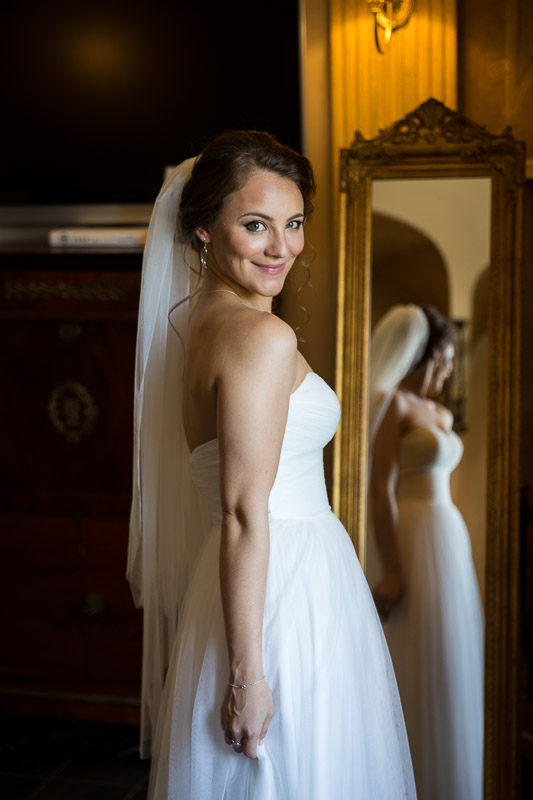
427 423
425 587
431 214
431 244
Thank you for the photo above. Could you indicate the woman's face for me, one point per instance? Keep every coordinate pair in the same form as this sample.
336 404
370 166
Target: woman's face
257 236
443 369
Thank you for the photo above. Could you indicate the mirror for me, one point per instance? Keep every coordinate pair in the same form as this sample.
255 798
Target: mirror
432 211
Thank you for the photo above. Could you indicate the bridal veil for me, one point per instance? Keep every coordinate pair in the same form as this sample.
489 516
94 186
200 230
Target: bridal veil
167 520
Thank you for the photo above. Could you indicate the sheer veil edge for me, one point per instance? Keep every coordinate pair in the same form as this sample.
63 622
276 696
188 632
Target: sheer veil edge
168 522
398 343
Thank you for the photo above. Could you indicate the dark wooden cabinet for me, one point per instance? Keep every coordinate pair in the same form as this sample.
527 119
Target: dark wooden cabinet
71 637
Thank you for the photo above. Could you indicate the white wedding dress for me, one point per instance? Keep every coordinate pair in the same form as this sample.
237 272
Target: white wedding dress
435 635
338 732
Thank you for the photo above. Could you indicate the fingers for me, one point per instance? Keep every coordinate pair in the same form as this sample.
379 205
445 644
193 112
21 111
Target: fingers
242 745
249 748
386 601
384 606
246 727
264 729
238 747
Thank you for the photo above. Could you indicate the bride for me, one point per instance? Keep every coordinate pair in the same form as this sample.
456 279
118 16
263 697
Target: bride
266 675
420 560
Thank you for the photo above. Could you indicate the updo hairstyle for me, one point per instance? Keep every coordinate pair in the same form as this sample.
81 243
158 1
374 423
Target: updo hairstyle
224 166
442 332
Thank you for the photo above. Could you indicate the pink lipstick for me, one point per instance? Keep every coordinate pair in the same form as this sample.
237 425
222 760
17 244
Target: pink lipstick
271 269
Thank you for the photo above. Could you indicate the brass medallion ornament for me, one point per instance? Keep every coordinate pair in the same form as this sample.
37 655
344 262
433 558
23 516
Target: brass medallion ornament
72 411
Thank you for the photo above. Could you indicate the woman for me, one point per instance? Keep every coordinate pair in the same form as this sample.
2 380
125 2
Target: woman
231 523
427 594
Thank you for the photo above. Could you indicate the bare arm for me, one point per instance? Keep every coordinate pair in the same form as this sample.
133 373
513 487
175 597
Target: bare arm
253 399
389 589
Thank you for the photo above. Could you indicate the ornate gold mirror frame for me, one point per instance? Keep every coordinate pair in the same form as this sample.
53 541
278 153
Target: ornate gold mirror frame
435 142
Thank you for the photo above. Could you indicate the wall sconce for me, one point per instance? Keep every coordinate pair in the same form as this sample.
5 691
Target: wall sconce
389 14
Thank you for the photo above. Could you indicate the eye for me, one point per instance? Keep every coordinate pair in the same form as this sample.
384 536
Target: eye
255 226
295 224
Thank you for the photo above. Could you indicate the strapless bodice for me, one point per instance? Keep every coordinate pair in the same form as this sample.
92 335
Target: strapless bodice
299 488
427 457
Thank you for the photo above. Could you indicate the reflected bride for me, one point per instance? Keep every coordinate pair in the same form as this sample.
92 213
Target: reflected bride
424 150
419 554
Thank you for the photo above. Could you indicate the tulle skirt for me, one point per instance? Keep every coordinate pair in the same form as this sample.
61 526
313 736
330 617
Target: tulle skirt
436 643
338 730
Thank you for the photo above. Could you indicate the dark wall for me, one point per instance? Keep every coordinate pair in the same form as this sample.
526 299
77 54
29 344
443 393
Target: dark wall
99 96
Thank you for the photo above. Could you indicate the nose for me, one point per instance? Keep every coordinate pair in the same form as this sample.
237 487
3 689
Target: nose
277 246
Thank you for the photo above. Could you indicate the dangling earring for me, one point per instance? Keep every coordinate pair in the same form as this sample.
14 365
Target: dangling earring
203 256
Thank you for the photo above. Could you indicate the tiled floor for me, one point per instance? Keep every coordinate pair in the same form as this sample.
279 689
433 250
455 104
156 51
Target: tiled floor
54 759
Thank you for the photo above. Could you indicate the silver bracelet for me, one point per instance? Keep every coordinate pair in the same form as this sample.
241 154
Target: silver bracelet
245 685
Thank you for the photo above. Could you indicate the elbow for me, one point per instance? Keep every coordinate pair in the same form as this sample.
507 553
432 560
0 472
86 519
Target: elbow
244 516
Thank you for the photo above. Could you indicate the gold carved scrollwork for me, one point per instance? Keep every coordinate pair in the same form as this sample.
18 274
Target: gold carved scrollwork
72 411
433 125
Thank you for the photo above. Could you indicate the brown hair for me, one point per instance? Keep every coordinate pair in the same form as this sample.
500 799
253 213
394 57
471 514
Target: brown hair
442 332
223 167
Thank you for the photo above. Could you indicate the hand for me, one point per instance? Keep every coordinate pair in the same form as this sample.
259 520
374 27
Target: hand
245 716
388 592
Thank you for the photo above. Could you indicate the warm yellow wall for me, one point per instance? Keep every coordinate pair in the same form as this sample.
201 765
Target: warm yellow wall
319 299
370 90
496 57
348 85
475 56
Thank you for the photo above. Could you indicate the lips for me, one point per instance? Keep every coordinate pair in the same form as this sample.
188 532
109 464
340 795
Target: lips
271 269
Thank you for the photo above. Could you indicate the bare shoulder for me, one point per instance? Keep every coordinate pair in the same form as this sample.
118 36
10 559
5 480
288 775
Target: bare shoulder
253 345
398 418
398 407
259 323
252 336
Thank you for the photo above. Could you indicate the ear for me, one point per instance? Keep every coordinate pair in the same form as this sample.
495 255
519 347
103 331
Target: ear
203 235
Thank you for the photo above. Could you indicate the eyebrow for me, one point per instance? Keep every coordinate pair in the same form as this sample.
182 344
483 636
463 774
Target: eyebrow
267 218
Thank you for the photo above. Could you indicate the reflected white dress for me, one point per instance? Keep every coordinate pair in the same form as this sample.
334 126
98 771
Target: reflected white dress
338 731
435 636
